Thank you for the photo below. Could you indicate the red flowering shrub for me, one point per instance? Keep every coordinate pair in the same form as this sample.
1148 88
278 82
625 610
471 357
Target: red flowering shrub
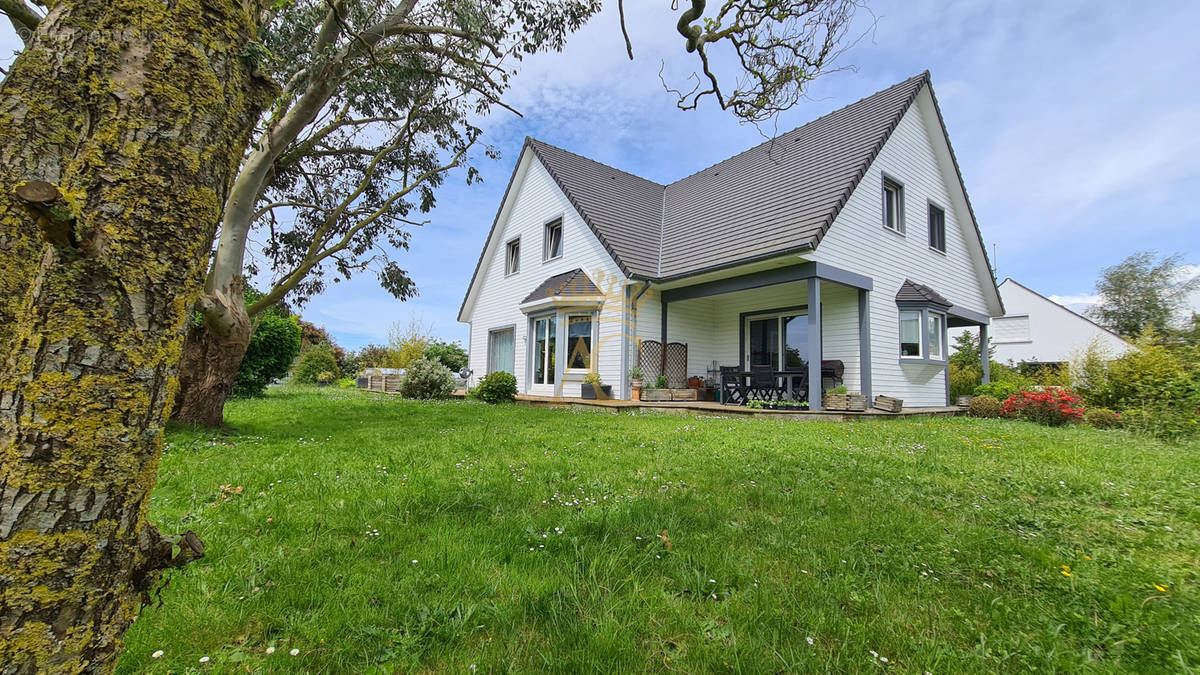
1052 406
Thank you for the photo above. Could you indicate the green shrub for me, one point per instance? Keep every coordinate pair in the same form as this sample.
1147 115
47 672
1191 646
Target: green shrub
1163 420
314 361
1089 374
964 379
449 354
984 405
273 346
496 387
1101 418
997 390
427 379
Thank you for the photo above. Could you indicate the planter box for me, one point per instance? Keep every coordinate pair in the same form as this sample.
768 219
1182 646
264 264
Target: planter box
835 401
889 404
964 400
588 392
856 402
669 395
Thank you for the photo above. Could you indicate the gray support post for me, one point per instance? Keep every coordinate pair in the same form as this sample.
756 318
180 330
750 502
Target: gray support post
814 344
864 343
663 368
984 361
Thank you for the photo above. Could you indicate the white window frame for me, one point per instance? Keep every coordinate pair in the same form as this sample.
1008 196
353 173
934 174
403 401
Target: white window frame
920 334
891 185
941 335
512 264
929 223
551 320
592 360
550 226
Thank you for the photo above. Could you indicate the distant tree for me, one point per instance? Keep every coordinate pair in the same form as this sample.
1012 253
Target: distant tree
407 343
314 361
373 356
1140 291
449 354
966 350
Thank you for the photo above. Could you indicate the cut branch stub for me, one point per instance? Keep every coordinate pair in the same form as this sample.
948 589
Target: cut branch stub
55 217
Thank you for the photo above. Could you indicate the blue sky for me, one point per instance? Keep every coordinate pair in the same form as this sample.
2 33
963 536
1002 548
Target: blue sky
1077 125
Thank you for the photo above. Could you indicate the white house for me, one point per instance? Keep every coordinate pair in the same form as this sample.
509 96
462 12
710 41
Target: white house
1035 329
850 239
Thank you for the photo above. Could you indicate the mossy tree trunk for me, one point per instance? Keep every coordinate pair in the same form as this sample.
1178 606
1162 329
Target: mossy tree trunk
121 125
212 355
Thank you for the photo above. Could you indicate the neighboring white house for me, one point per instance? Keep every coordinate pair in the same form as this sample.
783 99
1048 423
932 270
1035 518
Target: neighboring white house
850 239
1035 329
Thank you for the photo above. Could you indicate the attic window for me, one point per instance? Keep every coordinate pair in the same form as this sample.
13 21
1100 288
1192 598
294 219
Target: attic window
512 257
893 205
937 229
553 244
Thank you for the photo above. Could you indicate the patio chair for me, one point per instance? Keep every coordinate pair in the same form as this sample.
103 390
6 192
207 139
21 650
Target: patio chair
733 386
764 384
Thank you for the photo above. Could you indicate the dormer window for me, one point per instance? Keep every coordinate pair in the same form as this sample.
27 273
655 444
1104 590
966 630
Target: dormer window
893 205
553 242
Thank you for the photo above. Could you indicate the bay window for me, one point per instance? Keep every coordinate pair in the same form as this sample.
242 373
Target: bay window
910 334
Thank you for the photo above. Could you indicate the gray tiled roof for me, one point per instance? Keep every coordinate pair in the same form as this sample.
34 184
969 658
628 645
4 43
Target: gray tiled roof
568 284
777 197
624 211
912 292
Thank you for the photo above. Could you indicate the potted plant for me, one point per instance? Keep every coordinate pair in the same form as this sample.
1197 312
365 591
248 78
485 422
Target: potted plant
754 404
324 378
635 380
592 388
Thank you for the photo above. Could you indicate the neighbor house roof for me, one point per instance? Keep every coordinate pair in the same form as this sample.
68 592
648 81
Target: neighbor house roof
568 284
912 292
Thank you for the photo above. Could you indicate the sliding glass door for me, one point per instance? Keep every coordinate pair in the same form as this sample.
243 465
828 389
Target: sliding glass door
779 340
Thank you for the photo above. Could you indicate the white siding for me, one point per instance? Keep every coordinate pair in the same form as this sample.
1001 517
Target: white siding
534 198
914 156
1051 332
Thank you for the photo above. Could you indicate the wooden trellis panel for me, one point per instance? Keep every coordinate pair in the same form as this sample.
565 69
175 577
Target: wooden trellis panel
677 358
650 359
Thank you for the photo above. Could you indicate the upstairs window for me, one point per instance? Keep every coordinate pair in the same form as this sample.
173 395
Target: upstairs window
893 205
937 229
512 257
553 245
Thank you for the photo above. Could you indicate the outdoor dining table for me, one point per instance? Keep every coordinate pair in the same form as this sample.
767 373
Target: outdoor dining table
742 377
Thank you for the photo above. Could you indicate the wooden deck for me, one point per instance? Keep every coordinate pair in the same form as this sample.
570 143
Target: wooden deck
712 408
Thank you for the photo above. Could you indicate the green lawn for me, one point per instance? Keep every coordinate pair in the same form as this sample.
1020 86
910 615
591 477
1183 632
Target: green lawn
375 534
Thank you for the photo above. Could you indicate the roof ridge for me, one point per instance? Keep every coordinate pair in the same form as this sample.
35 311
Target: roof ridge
595 161
924 76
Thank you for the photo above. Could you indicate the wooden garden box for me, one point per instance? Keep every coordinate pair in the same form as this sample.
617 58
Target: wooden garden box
889 404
